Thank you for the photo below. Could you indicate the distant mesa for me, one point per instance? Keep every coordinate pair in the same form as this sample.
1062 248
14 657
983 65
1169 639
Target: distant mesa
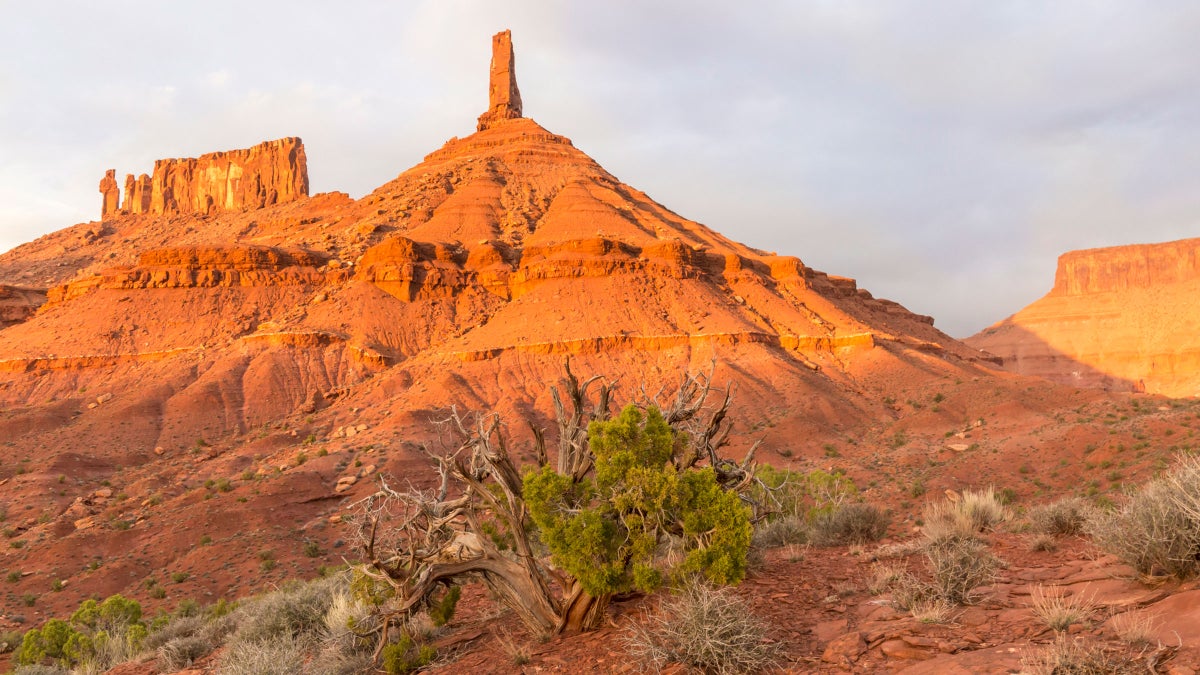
272 172
1124 317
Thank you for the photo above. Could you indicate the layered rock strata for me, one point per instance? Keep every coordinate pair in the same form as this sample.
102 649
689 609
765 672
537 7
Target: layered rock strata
272 172
1122 318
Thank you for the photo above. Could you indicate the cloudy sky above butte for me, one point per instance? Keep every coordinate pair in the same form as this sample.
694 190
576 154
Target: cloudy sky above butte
942 153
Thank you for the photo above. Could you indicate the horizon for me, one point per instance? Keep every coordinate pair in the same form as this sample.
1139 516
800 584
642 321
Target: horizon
945 163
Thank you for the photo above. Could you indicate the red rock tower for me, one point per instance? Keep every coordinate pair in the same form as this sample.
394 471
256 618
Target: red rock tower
504 99
112 193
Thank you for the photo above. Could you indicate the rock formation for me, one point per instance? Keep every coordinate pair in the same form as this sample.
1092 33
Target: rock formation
1120 318
137 194
272 172
111 201
504 99
464 281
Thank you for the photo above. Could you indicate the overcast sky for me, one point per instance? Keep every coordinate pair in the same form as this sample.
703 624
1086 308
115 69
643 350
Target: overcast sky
942 153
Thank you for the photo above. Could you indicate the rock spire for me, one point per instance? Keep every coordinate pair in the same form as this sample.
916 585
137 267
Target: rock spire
111 192
504 99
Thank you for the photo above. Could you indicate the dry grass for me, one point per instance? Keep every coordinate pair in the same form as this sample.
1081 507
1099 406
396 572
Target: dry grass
704 628
1059 611
1065 516
960 566
932 610
883 576
1065 656
1135 628
519 654
973 512
855 523
1154 531
1043 543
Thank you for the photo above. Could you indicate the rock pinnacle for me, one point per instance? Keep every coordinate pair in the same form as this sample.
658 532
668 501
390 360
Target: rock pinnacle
504 99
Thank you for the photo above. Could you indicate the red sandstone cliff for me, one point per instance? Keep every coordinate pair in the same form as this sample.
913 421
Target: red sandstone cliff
272 172
1121 318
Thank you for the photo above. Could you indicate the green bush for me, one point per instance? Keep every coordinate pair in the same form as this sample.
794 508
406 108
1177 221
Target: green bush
605 531
406 656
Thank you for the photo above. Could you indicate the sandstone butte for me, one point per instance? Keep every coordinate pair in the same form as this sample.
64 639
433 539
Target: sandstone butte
1122 318
232 366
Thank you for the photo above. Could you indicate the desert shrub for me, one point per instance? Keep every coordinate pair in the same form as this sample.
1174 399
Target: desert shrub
295 610
704 628
1153 531
168 628
406 656
783 493
972 513
283 655
1059 611
958 566
181 652
1065 516
780 532
1043 542
443 610
854 523
605 531
98 636
1079 656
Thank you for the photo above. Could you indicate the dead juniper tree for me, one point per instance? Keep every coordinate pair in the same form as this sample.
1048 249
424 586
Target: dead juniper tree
557 542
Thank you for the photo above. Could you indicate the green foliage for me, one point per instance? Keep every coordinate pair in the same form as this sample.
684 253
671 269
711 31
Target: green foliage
605 530
91 628
406 656
442 611
785 493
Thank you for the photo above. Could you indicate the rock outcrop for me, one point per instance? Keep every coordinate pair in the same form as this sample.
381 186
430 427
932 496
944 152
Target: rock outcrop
504 99
111 199
18 304
272 172
1122 318
137 194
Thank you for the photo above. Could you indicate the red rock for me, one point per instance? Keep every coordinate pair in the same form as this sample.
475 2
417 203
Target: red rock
272 172
111 201
845 650
1120 318
1000 660
504 98
899 649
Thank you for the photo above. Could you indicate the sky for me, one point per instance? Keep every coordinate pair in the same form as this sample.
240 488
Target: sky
941 153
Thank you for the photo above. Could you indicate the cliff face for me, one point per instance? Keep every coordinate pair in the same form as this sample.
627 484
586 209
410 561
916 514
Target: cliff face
1120 268
272 172
1122 318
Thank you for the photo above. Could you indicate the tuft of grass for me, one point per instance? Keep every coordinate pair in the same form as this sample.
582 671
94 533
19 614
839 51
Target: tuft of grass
704 628
1059 611
1135 628
1066 656
1065 516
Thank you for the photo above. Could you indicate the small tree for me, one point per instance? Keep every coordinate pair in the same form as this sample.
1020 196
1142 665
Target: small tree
619 492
